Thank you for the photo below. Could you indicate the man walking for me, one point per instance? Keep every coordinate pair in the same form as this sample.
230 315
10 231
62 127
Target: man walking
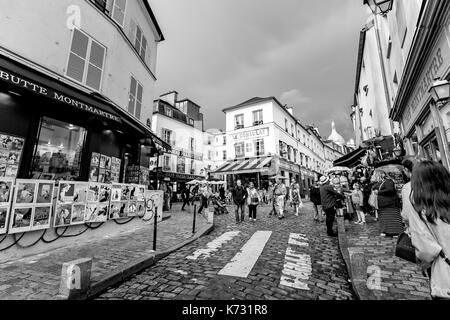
314 196
204 195
280 193
329 197
185 196
239 197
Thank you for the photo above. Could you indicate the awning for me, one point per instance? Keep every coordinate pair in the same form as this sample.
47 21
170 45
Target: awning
245 166
351 159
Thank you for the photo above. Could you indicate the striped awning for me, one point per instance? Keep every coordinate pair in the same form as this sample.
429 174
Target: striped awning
245 166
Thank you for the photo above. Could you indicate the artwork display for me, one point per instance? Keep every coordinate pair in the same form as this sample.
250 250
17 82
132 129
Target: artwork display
104 169
153 203
6 189
127 201
11 149
99 196
115 170
32 205
71 203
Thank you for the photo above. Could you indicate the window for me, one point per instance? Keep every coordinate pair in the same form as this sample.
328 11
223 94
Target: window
401 22
192 144
167 163
224 140
140 43
59 149
239 121
181 165
191 121
249 148
292 130
168 111
209 154
295 155
86 60
289 156
239 149
224 155
118 12
257 117
259 147
167 135
286 125
135 100
192 167
389 48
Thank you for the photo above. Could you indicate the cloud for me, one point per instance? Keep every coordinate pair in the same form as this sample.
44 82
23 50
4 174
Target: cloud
294 98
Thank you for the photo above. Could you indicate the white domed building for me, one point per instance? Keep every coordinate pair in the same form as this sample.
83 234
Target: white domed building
335 136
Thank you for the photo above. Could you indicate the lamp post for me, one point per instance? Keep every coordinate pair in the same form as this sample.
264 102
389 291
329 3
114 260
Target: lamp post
440 92
379 6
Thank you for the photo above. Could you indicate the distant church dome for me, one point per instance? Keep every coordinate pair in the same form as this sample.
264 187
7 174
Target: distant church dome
335 136
351 143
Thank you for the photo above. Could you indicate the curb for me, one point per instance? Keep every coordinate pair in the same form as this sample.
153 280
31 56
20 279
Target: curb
356 264
138 265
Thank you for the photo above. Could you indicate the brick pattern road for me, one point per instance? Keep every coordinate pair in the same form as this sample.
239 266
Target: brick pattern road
38 277
400 279
197 278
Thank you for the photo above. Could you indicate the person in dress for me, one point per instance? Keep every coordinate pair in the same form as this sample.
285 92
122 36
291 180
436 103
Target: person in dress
295 196
314 196
388 207
358 201
430 224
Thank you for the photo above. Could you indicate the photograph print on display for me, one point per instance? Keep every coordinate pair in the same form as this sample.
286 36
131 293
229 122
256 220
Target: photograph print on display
4 213
116 192
125 193
21 220
104 193
41 218
66 192
63 215
93 193
25 193
91 212
78 214
5 190
45 193
80 195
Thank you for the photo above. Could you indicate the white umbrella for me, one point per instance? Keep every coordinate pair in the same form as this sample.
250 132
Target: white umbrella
193 182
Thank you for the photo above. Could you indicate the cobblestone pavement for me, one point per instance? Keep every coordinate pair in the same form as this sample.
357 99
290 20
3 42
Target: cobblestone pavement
38 277
297 248
400 279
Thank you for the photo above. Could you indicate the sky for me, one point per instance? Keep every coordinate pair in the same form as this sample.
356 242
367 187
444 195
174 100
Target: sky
219 53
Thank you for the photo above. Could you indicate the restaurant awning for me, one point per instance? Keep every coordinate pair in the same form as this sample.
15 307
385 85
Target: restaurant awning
245 166
351 159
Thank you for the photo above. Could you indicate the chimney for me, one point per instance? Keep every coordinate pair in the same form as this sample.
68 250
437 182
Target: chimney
289 109
170 97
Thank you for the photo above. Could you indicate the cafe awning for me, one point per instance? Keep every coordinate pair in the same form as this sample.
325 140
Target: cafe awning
351 159
245 166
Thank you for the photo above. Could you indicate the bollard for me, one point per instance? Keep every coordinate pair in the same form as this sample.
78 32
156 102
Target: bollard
195 216
75 279
155 229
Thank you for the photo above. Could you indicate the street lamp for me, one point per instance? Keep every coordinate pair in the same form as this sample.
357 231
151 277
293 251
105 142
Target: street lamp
440 90
383 6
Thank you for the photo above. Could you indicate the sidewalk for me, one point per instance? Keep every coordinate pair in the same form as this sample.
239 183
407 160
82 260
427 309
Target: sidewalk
400 279
38 277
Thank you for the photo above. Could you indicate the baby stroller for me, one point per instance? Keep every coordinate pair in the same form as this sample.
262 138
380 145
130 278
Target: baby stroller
219 206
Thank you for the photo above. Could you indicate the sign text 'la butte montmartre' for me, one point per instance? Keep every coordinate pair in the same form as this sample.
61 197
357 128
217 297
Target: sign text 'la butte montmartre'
47 92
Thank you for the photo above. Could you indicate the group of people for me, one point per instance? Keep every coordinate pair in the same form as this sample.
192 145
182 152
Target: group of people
277 194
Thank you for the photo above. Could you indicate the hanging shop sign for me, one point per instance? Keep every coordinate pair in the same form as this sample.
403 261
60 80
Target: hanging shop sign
436 65
154 204
18 81
32 205
263 132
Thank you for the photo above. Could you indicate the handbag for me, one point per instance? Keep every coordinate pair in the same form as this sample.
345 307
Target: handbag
405 249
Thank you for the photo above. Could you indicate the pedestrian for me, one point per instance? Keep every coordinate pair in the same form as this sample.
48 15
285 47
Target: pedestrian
314 196
222 193
430 225
185 196
340 201
388 207
358 202
253 200
373 199
328 198
295 196
239 197
280 193
204 196
407 207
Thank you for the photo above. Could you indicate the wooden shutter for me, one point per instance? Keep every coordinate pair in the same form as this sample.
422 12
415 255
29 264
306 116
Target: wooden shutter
139 101
118 13
77 55
132 31
95 67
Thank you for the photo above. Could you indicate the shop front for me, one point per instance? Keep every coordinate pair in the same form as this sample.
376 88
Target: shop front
67 159
425 124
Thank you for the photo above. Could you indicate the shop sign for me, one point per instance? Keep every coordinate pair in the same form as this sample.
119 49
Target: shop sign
438 62
263 132
186 154
52 94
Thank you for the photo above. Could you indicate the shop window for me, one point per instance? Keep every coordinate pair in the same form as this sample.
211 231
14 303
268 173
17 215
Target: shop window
59 150
181 165
135 100
86 60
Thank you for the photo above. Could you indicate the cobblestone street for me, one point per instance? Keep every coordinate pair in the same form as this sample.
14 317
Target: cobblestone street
298 262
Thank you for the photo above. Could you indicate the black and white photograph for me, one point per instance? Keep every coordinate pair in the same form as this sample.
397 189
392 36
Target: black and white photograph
256 154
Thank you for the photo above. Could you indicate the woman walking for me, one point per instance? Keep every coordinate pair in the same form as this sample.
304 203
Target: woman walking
253 200
430 224
388 207
295 197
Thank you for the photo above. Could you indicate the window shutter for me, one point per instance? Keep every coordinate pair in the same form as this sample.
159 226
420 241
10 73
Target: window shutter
174 138
109 6
77 57
144 48
148 59
95 69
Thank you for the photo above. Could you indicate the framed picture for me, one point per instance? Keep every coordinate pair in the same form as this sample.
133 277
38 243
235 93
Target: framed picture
4 214
93 192
63 215
140 210
107 163
25 192
6 188
91 212
95 159
44 193
11 149
41 218
102 212
104 193
93 175
125 193
21 220
132 209
116 192
78 214
80 193
101 175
